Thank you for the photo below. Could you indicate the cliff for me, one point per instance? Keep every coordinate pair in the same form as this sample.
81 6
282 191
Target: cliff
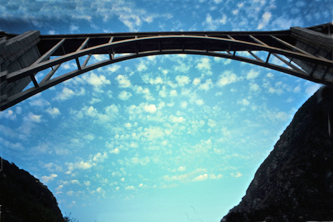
23 198
295 182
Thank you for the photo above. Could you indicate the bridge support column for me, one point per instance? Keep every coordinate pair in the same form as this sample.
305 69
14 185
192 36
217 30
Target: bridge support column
17 53
315 43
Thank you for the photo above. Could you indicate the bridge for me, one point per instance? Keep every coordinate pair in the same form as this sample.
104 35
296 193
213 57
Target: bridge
303 52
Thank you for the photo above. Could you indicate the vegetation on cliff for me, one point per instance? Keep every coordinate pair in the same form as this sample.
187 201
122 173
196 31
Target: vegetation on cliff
295 182
23 198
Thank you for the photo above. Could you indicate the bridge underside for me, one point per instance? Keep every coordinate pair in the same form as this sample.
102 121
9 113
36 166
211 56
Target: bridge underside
305 53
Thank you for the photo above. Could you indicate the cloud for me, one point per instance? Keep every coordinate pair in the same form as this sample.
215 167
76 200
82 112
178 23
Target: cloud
8 114
252 74
201 177
100 157
95 80
226 78
113 68
207 85
130 188
183 105
141 67
33 118
46 179
237 174
244 102
254 87
196 81
176 119
123 81
173 93
14 146
143 161
204 64
211 123
181 168
65 94
213 24
124 95
54 112
199 102
265 20
182 80
39 102
150 108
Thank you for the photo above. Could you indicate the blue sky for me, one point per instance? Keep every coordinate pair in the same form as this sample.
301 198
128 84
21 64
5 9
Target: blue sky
163 138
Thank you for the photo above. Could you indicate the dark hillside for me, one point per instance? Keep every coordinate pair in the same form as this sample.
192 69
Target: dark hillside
295 182
23 198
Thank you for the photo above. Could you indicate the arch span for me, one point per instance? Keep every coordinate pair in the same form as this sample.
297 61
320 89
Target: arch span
295 59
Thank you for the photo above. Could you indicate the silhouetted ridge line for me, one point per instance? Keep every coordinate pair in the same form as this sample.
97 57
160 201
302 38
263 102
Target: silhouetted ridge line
295 182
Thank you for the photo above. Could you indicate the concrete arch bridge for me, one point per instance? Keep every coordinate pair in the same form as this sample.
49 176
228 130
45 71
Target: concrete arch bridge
303 52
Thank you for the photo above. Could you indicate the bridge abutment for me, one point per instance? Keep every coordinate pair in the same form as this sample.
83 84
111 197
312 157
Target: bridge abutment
314 43
17 53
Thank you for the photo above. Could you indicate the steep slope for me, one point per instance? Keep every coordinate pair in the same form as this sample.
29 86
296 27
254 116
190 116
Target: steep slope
295 182
23 198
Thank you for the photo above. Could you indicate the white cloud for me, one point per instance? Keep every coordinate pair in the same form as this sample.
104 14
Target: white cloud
124 95
183 105
65 94
8 114
244 102
130 188
150 108
46 179
181 168
113 68
252 74
33 118
14 146
310 90
95 80
237 174
87 183
211 123
115 151
141 67
39 102
182 80
153 133
196 81
100 157
176 119
70 193
207 85
254 87
226 78
265 20
53 111
199 102
173 93
123 81
157 80
213 24
204 64
201 177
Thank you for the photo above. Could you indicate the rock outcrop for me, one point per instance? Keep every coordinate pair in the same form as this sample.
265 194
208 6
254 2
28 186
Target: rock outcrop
295 182
23 198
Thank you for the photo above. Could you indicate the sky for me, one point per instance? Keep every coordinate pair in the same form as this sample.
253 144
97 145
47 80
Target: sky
161 138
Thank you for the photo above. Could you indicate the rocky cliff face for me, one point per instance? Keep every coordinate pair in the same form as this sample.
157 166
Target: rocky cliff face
295 182
23 198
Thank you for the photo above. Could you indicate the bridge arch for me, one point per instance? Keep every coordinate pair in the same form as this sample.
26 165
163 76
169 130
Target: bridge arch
125 46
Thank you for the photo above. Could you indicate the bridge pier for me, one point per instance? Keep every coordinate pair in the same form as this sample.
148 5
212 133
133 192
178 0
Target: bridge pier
17 53
314 43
